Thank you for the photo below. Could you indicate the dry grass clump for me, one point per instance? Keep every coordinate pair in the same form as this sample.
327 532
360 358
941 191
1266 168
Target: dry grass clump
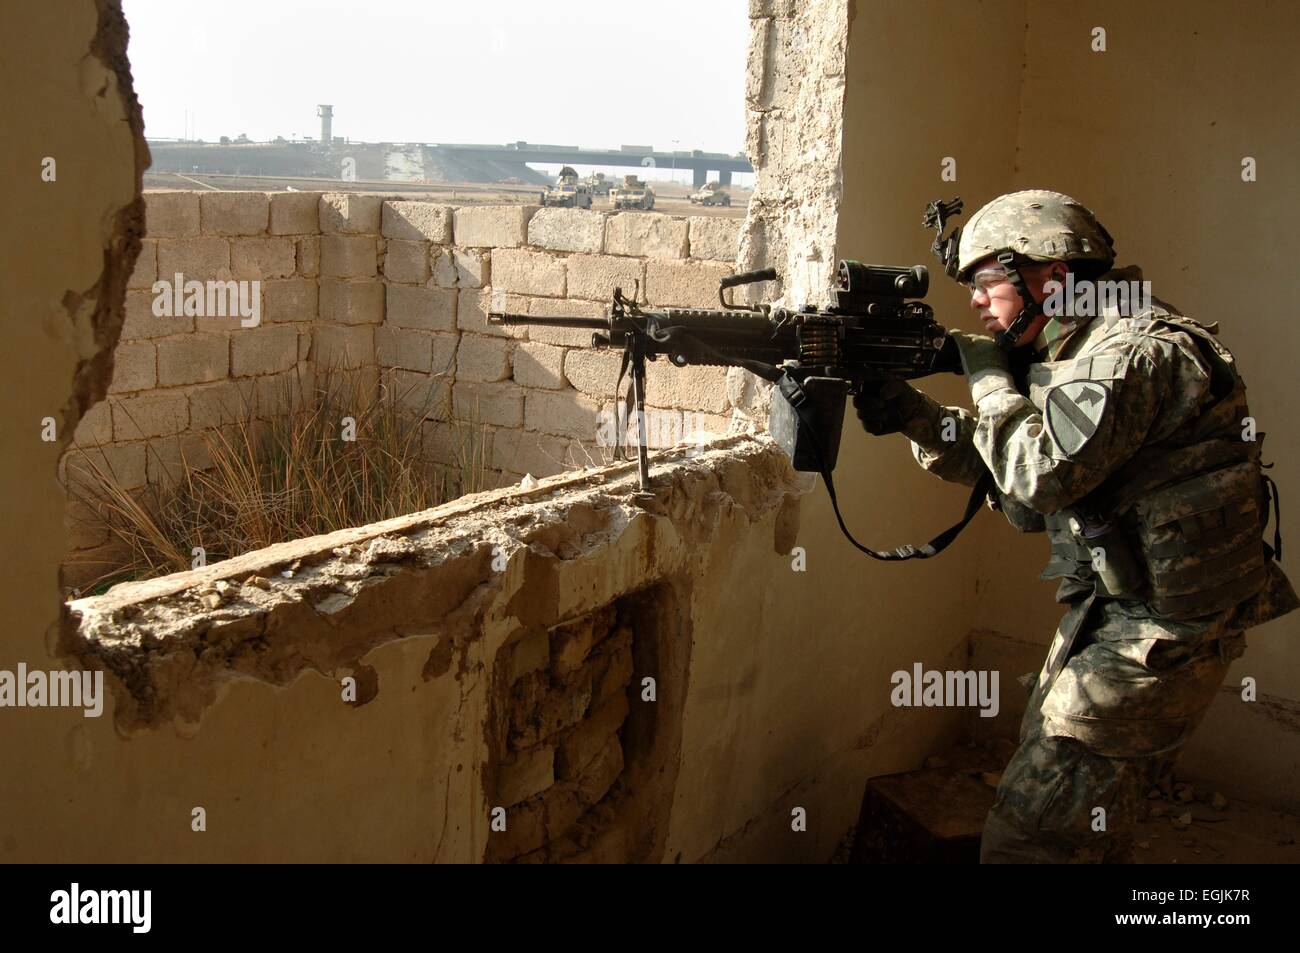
344 453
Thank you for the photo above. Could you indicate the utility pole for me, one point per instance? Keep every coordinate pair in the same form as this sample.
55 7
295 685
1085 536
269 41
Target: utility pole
674 169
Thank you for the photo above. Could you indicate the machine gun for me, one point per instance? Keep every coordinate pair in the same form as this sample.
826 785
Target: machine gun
876 328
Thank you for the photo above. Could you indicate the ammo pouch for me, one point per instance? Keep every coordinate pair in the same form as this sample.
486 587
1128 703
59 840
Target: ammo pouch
1201 541
1187 549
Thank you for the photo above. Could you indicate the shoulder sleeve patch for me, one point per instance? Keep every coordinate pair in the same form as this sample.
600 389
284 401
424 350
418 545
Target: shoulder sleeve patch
1072 413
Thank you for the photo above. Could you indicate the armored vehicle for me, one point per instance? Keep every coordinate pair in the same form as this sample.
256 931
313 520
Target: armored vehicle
632 194
710 194
567 192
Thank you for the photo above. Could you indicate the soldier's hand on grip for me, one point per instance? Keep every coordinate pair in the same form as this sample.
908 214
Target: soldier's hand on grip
885 407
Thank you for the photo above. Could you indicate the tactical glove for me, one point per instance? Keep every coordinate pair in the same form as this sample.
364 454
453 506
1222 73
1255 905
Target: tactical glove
885 407
985 364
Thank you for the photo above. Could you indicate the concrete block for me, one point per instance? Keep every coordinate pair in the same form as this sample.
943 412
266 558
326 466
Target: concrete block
124 463
573 641
444 353
645 234
483 358
471 268
348 256
400 347
444 268
263 351
559 308
614 671
594 372
538 365
407 262
690 388
84 526
309 256
214 405
95 425
197 259
493 226
594 277
349 213
340 346
684 284
472 309
168 458
542 455
292 299
295 213
562 413
686 388
591 736
420 396
171 214
150 415
714 238
417 222
263 257
519 271
567 229
234 213
527 774
428 309
135 367
601 773
351 302
145 272
193 359
499 404
139 321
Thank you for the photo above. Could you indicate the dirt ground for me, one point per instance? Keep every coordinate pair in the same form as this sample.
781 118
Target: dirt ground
670 198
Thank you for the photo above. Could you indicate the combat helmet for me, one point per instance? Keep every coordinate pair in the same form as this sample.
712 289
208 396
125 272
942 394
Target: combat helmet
1037 225
1034 225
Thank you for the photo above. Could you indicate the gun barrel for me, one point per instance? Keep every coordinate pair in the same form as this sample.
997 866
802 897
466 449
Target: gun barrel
504 318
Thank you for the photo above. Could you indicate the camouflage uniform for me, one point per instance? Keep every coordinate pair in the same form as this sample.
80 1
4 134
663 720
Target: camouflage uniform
1126 447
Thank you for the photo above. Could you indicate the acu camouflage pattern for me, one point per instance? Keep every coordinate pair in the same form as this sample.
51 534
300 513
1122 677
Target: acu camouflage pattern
1126 680
1037 224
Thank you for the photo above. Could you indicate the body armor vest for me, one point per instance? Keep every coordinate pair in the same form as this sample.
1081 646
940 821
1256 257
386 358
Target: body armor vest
1179 527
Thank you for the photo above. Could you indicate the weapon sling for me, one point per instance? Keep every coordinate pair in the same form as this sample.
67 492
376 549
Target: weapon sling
794 394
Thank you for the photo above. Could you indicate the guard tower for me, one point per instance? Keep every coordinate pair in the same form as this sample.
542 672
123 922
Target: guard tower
326 114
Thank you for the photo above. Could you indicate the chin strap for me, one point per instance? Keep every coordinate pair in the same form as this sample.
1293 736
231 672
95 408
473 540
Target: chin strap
1010 338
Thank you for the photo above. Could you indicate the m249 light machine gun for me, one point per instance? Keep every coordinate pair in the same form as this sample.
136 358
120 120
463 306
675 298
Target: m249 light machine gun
876 328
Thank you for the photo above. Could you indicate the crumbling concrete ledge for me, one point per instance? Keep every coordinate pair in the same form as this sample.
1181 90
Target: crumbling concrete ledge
493 565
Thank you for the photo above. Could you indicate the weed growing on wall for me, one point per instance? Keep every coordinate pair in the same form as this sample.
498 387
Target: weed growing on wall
343 453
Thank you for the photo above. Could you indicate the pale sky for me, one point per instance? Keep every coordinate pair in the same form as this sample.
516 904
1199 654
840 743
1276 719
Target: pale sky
596 73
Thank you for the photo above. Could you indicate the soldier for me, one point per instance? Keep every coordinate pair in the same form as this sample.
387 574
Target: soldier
1125 436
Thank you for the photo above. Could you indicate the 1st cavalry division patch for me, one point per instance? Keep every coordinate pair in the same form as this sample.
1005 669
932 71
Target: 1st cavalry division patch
1072 412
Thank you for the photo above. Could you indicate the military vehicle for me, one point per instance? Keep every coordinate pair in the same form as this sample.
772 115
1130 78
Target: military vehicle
710 194
598 184
567 191
633 193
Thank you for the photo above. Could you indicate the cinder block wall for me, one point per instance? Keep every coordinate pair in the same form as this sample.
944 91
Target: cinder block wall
403 287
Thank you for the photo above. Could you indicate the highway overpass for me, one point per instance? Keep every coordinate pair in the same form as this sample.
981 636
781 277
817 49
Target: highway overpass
701 164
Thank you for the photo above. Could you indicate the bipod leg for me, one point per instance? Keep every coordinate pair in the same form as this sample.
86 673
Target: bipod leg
638 397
